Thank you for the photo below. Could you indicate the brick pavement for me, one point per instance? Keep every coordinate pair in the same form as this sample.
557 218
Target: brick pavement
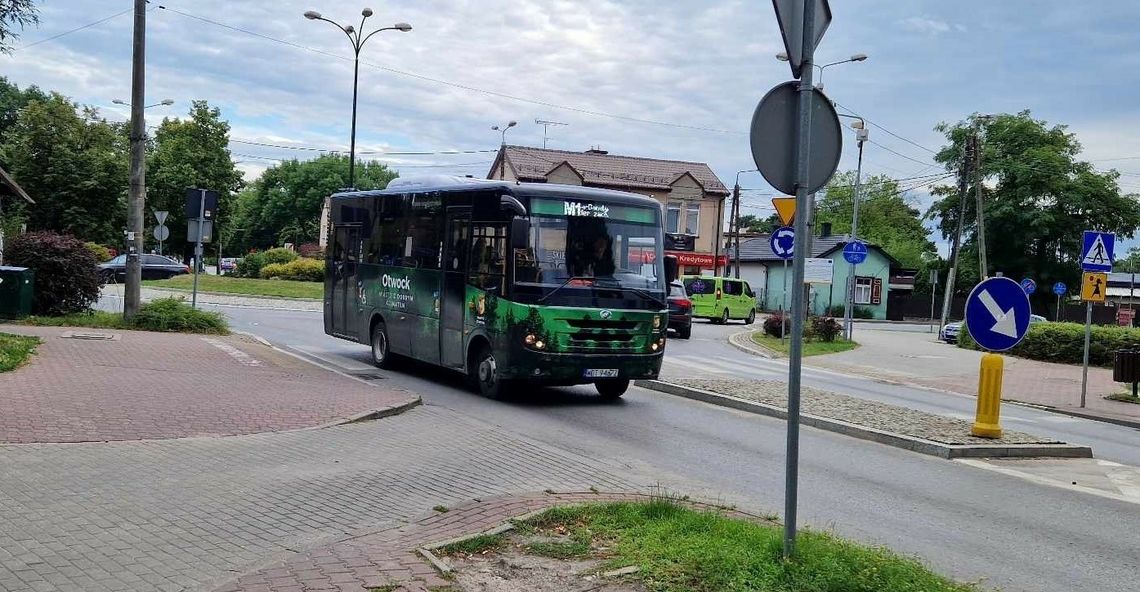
192 514
163 385
388 557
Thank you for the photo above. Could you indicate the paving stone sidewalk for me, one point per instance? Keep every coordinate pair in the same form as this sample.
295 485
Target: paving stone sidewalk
143 385
113 294
193 514
870 414
388 557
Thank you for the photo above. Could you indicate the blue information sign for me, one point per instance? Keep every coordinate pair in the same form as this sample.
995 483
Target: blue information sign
855 252
1060 288
997 314
783 242
1096 251
1029 286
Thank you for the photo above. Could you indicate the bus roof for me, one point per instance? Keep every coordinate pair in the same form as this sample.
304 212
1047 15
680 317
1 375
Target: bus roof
528 190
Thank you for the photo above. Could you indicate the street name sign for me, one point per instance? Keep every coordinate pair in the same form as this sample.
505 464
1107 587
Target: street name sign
783 242
855 252
997 314
1096 252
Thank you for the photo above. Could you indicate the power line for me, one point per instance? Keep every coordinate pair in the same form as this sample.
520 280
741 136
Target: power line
455 84
75 30
901 155
334 150
880 127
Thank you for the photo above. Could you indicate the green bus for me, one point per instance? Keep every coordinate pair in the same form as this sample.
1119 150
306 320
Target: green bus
509 283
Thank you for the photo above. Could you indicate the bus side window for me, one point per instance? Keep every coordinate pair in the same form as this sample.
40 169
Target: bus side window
488 256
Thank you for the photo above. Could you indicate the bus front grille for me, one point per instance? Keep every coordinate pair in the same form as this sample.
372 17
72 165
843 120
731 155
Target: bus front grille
602 324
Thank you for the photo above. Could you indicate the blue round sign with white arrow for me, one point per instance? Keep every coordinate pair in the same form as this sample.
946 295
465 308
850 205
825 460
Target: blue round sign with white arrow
997 314
855 252
783 242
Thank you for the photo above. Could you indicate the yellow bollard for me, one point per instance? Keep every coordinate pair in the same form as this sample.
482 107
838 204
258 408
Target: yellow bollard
986 423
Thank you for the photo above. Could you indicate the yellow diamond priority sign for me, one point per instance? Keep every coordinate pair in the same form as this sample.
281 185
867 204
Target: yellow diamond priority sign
1094 286
785 209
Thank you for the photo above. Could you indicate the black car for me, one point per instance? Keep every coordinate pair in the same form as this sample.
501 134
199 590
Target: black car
680 310
154 267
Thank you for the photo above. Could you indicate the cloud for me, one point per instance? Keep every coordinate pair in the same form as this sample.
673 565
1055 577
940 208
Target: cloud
921 24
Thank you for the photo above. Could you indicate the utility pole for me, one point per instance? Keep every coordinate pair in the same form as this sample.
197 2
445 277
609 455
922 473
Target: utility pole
137 195
956 245
735 223
985 273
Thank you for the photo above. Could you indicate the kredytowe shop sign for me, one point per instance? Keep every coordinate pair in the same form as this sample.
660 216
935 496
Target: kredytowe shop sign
683 258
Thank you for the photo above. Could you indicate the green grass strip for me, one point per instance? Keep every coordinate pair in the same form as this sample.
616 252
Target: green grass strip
15 350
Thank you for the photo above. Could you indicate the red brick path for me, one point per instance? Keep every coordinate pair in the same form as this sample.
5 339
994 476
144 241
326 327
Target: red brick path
388 557
162 385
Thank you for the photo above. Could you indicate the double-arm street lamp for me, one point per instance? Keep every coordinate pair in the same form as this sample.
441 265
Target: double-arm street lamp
164 102
358 39
503 146
860 128
859 57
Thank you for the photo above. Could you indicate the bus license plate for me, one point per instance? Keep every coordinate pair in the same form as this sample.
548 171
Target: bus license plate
601 373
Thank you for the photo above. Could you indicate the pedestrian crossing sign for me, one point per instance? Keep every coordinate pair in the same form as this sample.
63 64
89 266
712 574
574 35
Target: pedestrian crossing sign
1096 253
1094 286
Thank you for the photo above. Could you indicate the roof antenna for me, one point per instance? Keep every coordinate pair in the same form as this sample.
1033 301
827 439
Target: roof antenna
545 126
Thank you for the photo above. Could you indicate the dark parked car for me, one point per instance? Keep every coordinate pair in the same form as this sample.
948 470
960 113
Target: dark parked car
154 267
680 310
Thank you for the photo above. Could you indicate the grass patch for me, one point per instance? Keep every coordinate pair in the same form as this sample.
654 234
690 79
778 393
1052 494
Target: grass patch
1124 397
15 350
678 549
244 286
476 544
441 509
167 315
811 348
566 550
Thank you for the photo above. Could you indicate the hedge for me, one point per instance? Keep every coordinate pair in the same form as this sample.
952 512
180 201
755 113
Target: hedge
250 265
305 270
1064 343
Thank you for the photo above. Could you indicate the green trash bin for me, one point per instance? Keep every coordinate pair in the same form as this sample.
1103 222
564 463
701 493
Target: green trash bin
16 288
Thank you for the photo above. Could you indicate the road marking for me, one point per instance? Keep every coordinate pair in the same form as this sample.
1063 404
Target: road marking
1126 475
342 362
235 353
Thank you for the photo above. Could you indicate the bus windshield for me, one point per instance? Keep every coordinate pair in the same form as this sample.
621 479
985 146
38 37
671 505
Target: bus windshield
591 244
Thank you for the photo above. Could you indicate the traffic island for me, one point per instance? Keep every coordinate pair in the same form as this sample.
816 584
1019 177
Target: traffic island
603 542
921 432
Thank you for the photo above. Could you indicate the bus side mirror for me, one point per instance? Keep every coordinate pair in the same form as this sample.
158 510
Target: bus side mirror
520 233
670 269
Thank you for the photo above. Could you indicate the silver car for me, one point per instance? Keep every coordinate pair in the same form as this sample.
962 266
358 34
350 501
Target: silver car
950 332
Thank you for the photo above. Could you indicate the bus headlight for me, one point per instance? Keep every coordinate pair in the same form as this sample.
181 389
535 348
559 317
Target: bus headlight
540 344
657 322
530 339
654 347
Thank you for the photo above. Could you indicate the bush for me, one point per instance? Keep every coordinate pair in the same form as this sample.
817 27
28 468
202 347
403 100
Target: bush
858 312
774 325
250 266
1064 343
101 253
836 310
304 270
825 328
174 315
66 271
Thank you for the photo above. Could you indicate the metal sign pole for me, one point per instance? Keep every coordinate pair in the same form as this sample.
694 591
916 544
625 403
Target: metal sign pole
933 295
795 354
1085 370
198 245
784 306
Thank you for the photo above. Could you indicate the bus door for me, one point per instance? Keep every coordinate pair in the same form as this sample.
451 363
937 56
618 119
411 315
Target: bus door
345 257
457 244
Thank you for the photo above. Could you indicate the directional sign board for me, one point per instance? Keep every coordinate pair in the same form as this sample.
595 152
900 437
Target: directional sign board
997 314
1029 286
774 135
855 252
1094 286
818 270
785 209
783 242
1060 288
1096 253
790 15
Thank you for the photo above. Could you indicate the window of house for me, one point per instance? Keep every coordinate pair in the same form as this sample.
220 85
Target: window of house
863 290
693 218
673 218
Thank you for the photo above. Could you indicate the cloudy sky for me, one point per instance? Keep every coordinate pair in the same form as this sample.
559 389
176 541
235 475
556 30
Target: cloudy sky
675 79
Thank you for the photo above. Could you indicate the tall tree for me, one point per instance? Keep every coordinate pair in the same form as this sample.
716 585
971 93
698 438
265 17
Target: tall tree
74 164
284 204
15 14
1038 198
888 217
753 223
12 100
191 152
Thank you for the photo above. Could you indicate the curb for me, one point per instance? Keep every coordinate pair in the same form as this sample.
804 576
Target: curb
912 443
746 345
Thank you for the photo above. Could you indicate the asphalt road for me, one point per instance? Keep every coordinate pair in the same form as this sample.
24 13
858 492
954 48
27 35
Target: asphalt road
967 522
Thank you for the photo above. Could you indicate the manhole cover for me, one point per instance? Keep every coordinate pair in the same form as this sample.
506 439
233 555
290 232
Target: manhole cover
90 336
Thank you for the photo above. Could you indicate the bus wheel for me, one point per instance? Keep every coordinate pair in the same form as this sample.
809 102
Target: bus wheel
612 389
485 374
381 346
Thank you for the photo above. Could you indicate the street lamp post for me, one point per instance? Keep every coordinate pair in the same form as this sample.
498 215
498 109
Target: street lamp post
859 57
503 146
354 37
860 128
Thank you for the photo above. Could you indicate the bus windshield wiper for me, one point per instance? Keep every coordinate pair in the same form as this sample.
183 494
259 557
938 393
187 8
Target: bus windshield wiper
647 295
566 283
